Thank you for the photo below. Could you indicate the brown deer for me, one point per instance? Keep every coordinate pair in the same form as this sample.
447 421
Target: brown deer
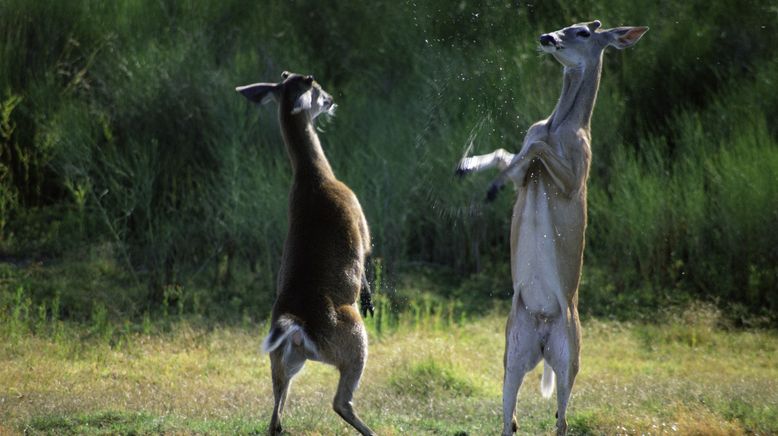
323 266
549 219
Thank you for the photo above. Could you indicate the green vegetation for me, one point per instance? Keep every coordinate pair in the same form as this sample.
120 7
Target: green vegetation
690 374
427 377
135 183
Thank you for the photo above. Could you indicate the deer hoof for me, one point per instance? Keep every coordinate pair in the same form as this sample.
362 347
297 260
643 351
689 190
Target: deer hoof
462 172
491 194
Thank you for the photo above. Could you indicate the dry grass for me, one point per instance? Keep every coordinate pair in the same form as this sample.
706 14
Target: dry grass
635 379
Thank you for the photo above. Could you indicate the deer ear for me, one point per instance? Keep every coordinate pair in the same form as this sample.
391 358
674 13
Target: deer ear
303 102
260 92
623 37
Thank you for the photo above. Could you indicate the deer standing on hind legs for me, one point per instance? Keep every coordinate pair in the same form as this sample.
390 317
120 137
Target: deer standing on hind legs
549 219
323 266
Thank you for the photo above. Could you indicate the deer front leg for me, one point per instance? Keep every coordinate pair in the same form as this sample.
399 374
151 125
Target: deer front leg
515 171
499 158
365 294
366 298
560 170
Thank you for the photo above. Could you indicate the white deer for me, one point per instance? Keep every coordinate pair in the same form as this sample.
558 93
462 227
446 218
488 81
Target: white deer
549 219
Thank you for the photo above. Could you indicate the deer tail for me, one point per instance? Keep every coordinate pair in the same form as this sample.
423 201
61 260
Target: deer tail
547 381
288 331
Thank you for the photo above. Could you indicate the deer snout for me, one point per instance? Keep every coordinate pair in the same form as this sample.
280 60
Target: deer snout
547 39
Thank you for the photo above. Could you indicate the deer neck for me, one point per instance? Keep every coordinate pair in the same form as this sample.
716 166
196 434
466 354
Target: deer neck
579 92
303 146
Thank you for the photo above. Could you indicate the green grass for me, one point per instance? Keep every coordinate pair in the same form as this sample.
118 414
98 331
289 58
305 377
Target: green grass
428 377
190 379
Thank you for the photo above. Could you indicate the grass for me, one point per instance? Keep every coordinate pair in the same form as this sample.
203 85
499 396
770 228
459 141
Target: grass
185 379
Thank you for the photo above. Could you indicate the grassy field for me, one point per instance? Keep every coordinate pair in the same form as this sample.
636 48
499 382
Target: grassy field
684 375
143 212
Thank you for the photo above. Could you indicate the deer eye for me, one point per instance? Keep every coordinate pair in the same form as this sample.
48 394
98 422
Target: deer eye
584 33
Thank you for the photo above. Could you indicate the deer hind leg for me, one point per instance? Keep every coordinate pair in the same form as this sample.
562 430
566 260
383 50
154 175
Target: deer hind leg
350 361
349 380
522 353
285 362
563 353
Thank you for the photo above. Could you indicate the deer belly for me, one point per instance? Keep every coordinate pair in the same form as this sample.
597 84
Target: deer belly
536 258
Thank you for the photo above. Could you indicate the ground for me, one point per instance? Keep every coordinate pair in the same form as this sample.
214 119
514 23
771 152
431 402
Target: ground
686 377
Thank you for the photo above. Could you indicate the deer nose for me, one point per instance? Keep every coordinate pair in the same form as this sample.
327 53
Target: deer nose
546 39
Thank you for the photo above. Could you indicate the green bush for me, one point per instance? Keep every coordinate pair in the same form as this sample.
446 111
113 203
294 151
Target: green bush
120 128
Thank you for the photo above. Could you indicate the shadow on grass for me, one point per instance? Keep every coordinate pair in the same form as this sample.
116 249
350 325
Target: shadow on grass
582 423
97 423
136 423
428 378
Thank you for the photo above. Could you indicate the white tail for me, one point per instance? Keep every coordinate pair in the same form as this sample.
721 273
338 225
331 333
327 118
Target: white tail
547 381
286 329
